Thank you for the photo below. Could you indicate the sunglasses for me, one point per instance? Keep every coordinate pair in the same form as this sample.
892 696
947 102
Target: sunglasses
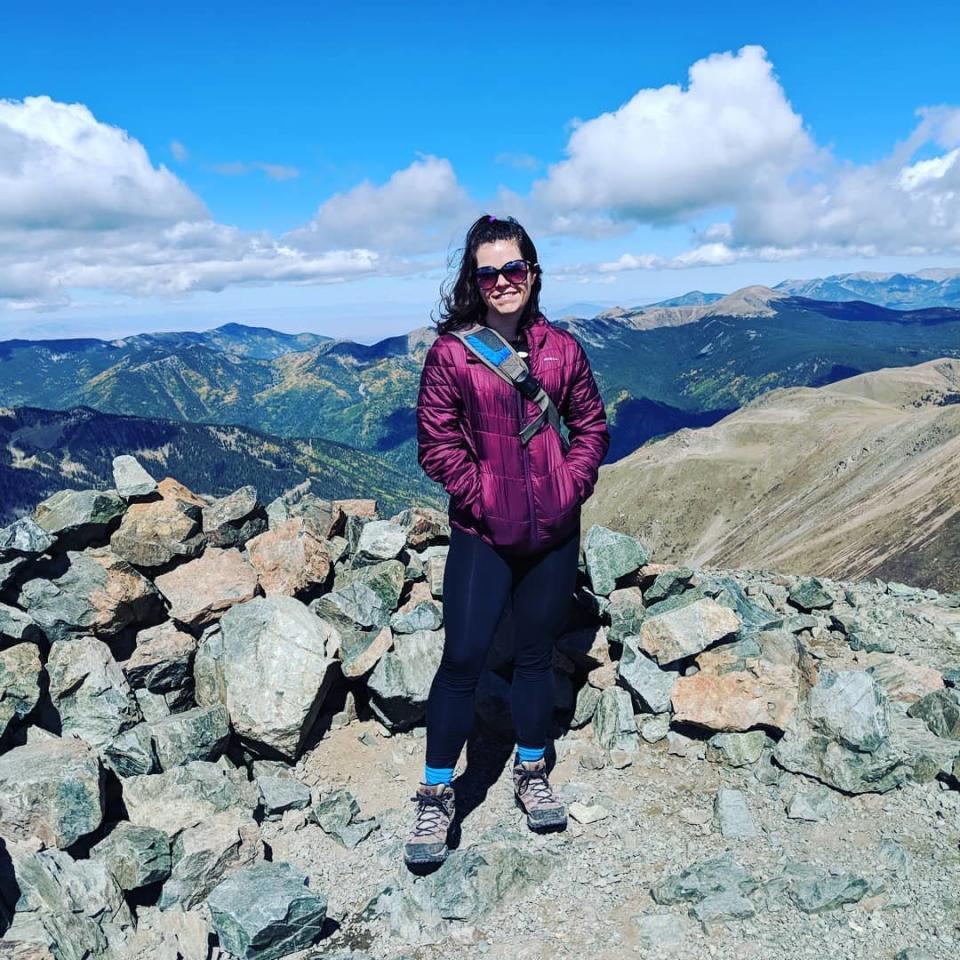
514 271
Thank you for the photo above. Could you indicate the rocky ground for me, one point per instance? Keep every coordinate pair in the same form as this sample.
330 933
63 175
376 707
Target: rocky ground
211 717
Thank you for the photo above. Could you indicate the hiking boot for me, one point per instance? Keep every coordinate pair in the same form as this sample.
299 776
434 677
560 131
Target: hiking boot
427 842
536 798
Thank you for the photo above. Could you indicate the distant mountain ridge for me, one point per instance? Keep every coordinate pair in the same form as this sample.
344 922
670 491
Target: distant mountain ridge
861 476
926 288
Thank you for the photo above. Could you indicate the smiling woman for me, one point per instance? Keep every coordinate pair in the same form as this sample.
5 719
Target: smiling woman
515 499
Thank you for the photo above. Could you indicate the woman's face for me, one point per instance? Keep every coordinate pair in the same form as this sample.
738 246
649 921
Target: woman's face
505 297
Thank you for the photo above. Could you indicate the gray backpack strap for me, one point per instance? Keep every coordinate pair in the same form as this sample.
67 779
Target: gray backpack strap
486 344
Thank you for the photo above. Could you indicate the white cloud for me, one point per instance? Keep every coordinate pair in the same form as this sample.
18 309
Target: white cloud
61 169
237 168
420 209
179 151
671 152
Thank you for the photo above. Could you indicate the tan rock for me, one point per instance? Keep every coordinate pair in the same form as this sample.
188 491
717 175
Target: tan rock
289 558
162 658
201 590
155 532
358 508
367 658
735 692
903 679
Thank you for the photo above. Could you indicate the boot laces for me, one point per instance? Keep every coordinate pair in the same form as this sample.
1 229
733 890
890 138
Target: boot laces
430 812
536 781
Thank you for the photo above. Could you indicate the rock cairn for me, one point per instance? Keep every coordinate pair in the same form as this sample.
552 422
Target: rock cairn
170 661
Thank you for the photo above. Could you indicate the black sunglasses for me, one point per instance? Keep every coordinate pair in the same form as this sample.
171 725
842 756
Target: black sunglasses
514 271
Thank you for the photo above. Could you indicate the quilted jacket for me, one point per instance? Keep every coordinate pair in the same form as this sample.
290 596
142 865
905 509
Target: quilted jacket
519 499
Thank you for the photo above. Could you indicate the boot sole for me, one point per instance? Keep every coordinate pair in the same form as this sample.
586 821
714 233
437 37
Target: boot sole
551 826
425 861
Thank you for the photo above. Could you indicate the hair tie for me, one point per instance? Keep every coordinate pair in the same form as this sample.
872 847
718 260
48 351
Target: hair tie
491 219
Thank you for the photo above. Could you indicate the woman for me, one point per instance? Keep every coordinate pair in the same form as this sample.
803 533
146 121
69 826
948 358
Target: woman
514 515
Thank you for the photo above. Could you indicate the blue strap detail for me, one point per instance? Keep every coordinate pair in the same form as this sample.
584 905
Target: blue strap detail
494 356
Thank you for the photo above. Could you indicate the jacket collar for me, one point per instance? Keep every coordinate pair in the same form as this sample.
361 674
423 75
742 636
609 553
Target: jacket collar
537 330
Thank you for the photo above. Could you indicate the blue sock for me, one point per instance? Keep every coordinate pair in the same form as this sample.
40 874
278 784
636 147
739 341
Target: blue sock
529 754
435 775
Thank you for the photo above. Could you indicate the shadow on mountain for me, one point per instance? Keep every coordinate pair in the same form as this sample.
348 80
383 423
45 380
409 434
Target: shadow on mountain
399 427
636 420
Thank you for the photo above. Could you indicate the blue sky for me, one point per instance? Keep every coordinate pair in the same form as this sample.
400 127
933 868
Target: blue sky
271 139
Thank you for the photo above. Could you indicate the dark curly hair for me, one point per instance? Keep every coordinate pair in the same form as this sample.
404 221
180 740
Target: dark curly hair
461 304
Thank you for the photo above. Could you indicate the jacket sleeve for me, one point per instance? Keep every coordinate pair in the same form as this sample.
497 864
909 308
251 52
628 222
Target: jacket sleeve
442 448
586 419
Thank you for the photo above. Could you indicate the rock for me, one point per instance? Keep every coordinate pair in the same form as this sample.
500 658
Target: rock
731 814
680 746
265 911
280 793
198 734
24 537
585 706
379 540
232 520
668 583
204 854
737 688
813 890
89 691
704 879
337 814
322 516
184 796
74 907
51 789
363 651
290 559
20 671
385 579
433 567
727 905
76 518
811 804
271 665
162 659
423 526
736 749
626 612
131 479
608 556
155 532
940 711
401 680
587 647
131 753
90 592
134 855
655 729
17 626
850 707
651 686
201 590
686 630
661 931
8 570
355 601
588 814
426 615
809 594
613 725
903 679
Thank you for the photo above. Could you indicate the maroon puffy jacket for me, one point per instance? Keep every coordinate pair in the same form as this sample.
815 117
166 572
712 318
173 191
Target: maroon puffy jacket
521 499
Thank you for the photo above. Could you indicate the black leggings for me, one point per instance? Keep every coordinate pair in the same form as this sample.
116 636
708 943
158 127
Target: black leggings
477 581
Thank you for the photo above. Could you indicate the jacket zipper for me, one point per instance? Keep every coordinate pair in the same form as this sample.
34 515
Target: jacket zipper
534 531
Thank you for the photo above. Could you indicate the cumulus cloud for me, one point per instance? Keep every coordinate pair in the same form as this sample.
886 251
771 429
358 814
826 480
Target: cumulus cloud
420 209
60 168
669 153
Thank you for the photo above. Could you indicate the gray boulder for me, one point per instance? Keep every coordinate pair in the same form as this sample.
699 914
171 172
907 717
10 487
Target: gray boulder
131 479
20 671
201 733
401 681
379 540
338 815
51 789
24 537
614 727
233 520
204 854
609 555
76 518
686 630
650 685
282 793
266 911
731 814
89 691
134 855
93 591
182 797
162 659
940 711
268 646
